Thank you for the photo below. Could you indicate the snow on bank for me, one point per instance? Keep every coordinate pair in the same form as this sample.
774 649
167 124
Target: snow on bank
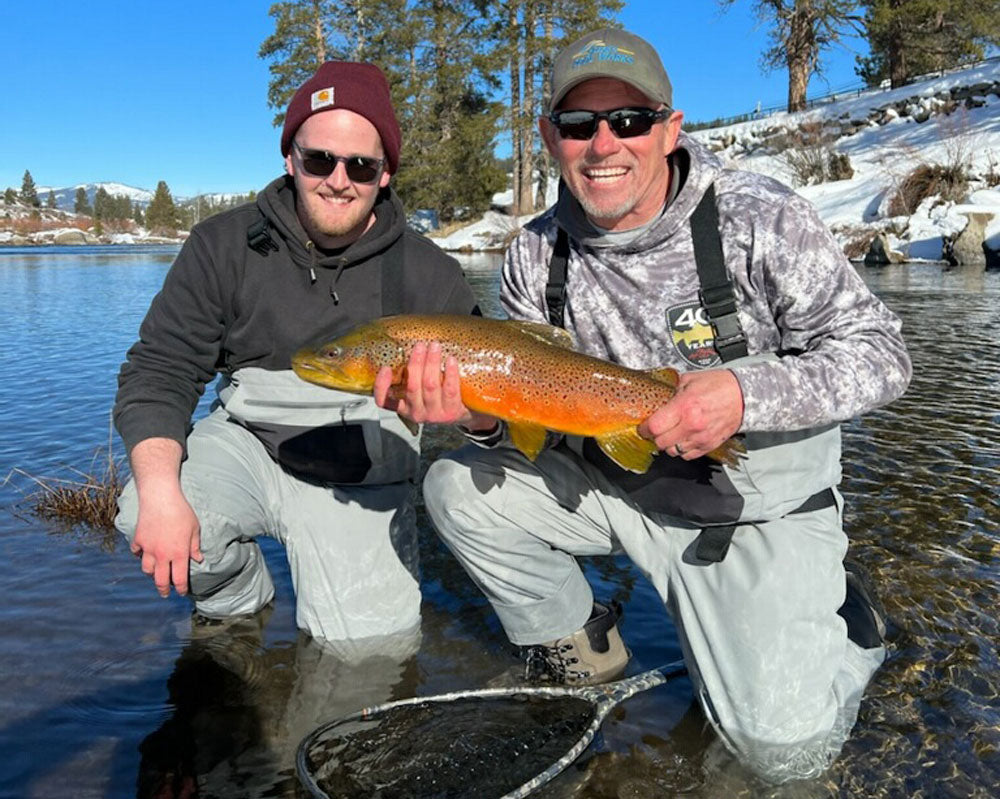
948 120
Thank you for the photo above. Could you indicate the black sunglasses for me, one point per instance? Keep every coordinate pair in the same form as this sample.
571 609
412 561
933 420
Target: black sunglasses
359 168
625 122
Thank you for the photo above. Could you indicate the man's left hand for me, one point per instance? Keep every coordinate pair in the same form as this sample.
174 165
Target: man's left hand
707 410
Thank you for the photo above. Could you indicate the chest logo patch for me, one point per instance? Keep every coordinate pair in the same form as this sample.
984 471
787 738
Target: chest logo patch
692 335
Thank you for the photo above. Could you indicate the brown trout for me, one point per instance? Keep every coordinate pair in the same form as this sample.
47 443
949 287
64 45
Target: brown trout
525 373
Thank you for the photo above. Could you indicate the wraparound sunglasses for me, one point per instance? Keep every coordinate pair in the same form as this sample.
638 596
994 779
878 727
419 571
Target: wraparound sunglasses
359 168
625 122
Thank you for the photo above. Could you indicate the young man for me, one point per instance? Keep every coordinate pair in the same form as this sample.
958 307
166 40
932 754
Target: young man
323 249
655 255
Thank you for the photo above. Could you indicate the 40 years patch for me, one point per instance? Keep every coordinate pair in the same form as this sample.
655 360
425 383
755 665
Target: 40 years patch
692 335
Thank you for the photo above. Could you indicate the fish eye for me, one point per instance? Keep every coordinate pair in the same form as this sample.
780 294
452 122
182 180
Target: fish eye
333 351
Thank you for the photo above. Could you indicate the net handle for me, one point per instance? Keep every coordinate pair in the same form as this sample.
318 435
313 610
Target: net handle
604 697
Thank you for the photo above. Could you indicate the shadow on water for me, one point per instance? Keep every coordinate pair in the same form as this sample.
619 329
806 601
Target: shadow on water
128 698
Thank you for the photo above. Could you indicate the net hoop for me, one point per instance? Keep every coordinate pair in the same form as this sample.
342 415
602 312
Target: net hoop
604 697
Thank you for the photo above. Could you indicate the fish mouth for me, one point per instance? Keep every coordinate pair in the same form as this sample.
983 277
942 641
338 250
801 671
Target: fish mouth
304 364
309 367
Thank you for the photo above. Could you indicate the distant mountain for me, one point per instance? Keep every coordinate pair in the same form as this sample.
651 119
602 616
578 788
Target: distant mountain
66 196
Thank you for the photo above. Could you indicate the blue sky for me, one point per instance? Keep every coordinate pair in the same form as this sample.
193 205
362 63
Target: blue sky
138 92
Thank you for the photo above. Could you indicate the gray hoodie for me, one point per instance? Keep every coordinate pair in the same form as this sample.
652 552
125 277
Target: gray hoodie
822 347
798 296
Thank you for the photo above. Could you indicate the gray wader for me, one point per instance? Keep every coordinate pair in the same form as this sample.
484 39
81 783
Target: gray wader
768 654
352 549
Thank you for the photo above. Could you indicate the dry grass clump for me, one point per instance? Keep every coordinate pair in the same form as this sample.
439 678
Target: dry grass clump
950 182
87 500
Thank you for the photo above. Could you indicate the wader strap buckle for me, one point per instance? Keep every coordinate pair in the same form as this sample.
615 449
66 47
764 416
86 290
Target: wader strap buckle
259 239
712 543
717 295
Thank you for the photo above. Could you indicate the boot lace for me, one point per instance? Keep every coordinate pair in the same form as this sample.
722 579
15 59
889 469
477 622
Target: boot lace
551 664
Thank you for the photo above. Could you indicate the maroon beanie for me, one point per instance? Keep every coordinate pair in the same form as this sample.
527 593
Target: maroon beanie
361 88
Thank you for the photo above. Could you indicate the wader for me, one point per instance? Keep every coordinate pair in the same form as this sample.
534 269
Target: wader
350 537
748 561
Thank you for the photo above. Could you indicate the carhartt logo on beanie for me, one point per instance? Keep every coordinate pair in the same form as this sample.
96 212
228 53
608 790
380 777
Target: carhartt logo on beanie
361 88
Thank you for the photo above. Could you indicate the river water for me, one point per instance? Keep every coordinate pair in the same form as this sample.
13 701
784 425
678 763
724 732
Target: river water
106 690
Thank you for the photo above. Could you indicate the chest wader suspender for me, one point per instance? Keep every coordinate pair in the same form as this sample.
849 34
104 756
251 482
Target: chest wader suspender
719 302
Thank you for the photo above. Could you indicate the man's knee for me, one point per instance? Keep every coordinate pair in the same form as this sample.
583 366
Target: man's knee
781 745
448 484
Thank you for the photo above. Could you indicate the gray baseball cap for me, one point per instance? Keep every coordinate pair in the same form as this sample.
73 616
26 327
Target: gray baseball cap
611 53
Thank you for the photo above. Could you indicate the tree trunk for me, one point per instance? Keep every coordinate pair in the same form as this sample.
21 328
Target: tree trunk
896 48
516 151
547 55
801 53
526 201
360 23
318 32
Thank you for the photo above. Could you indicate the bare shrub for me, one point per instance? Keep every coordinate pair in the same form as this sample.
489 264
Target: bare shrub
811 157
949 181
28 225
839 167
991 177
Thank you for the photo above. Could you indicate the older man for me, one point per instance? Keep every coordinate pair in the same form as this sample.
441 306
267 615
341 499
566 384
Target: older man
656 255
324 248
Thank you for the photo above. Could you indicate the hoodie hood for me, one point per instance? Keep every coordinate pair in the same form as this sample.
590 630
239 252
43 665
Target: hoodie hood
277 203
693 169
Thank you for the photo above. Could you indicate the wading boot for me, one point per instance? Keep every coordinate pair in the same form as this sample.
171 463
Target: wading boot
862 610
592 655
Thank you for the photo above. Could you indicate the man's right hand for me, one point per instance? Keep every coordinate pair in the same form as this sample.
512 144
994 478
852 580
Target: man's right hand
167 532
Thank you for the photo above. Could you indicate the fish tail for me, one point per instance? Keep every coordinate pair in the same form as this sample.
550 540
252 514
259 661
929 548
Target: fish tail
729 452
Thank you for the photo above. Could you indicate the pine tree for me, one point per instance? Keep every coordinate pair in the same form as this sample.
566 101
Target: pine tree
800 31
51 201
161 215
29 194
450 126
137 214
81 204
527 34
102 204
296 49
10 196
908 38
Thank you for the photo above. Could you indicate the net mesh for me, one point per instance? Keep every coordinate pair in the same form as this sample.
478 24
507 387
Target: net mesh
483 747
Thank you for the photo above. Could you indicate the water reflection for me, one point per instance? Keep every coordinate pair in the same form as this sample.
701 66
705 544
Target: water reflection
106 690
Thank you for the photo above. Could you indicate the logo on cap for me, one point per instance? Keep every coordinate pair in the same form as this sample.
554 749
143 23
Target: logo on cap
322 98
597 50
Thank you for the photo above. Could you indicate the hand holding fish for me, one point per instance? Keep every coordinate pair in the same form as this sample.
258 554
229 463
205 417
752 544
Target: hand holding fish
706 411
427 395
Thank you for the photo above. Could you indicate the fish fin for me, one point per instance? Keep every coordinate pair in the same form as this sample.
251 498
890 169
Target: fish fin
411 425
528 438
628 449
730 452
665 375
556 336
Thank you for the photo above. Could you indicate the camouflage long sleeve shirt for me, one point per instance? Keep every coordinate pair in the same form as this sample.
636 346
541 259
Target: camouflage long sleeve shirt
798 296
